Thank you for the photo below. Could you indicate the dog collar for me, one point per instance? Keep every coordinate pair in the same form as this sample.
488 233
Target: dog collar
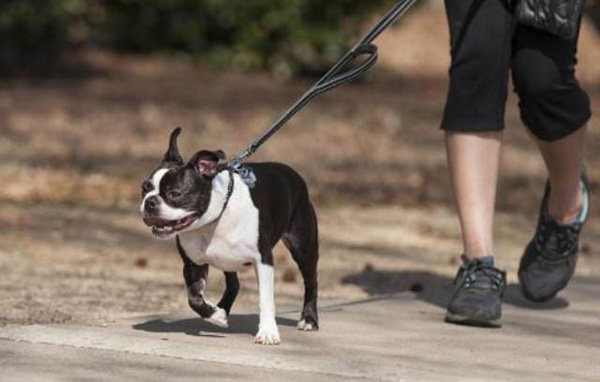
229 193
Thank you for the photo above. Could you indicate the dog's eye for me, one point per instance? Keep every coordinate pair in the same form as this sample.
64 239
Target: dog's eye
147 187
174 195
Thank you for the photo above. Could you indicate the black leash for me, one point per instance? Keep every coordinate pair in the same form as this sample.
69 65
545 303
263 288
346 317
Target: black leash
335 77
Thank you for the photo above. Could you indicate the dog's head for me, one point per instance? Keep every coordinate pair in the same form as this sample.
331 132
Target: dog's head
176 195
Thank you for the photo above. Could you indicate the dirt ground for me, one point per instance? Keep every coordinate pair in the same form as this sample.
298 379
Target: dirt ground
75 149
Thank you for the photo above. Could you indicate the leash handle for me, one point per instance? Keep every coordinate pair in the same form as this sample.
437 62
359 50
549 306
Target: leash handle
335 77
330 81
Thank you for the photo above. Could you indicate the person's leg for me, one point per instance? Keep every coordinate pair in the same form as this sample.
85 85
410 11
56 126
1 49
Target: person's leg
556 110
473 162
473 121
481 32
564 162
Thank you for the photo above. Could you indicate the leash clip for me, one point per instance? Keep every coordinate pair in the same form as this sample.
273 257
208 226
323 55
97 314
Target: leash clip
245 172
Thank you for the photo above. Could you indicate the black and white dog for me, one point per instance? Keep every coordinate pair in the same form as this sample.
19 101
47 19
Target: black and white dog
218 220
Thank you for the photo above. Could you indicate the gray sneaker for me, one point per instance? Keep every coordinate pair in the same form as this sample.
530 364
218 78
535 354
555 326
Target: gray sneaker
550 258
478 294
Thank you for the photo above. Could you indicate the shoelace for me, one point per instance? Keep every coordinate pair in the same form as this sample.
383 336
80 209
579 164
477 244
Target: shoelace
556 242
474 269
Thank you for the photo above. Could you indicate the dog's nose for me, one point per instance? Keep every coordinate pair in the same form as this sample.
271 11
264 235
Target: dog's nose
151 204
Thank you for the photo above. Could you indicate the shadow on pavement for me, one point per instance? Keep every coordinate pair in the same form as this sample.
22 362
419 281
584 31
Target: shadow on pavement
430 287
433 288
238 323
578 324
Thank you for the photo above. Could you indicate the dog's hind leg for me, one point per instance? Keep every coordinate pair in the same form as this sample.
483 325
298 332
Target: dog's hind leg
302 240
232 287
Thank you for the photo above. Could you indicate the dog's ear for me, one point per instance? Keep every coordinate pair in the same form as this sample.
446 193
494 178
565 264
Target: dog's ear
205 162
172 154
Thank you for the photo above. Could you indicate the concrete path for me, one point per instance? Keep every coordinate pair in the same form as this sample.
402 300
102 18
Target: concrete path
390 338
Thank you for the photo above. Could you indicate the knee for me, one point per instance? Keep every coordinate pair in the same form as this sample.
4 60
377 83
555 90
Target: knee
552 104
535 77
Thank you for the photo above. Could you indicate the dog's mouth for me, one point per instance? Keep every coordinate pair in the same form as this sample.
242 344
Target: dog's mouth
163 227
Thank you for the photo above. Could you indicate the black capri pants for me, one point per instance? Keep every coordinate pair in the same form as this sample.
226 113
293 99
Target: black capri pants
487 43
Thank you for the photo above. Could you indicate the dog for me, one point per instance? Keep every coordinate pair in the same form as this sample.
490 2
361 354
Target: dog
218 219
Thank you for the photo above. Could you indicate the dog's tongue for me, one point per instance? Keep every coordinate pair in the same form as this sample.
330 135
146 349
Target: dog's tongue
154 221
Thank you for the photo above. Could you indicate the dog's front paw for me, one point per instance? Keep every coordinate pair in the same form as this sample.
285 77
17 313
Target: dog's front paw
267 335
219 318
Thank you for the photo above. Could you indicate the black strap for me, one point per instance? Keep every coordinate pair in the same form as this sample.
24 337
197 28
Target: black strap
229 193
335 77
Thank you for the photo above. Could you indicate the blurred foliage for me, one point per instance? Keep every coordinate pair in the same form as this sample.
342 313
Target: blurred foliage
285 36
34 33
282 35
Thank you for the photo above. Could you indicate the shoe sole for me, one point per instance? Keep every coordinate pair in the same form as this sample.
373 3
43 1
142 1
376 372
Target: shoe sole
470 321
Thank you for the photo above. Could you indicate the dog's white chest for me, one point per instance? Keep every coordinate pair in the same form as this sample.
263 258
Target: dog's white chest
230 244
225 253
